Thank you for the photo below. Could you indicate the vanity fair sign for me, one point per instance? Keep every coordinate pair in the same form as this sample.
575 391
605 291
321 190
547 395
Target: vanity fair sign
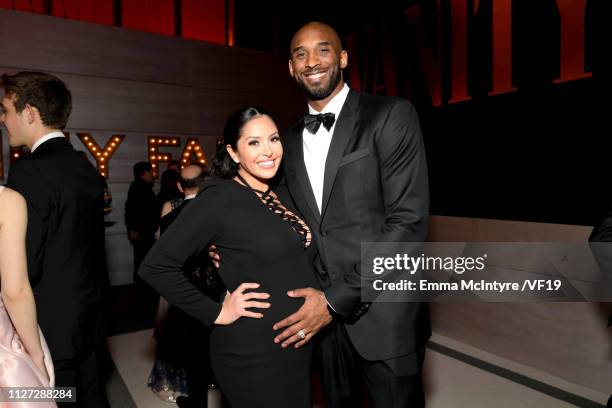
102 149
114 153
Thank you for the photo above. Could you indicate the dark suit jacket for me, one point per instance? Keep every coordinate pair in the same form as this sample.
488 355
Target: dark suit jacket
375 190
65 244
142 210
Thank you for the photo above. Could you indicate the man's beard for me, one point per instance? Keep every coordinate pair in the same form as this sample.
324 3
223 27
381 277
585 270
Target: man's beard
316 94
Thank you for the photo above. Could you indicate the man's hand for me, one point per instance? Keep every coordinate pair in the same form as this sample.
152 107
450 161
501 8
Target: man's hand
307 321
214 255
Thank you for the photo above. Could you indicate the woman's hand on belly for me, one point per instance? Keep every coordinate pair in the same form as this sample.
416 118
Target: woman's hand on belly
235 304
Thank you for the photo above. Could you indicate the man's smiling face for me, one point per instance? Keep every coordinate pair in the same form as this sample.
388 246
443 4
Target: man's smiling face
316 61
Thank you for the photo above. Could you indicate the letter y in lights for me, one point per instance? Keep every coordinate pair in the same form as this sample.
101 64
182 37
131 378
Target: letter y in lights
102 155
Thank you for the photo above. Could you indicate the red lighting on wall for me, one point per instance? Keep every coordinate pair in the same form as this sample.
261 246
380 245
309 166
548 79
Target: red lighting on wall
203 20
32 6
152 16
91 11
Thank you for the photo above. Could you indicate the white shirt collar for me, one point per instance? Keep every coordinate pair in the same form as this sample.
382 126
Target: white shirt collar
316 146
190 196
334 105
46 137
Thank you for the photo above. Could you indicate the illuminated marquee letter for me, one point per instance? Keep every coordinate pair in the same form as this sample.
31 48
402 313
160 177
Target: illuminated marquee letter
16 152
102 155
155 157
193 148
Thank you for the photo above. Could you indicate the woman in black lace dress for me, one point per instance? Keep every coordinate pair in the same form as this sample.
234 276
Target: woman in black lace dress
263 246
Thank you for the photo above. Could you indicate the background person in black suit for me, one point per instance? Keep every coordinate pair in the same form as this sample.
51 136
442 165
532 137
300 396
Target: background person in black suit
142 214
355 168
65 237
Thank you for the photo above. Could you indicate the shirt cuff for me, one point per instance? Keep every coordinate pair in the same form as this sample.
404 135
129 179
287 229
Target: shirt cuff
331 307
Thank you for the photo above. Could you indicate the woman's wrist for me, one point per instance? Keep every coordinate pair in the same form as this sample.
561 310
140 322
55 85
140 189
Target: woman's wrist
37 354
220 316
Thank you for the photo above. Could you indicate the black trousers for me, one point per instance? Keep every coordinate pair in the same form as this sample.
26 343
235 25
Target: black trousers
184 343
141 247
82 373
346 375
198 378
146 297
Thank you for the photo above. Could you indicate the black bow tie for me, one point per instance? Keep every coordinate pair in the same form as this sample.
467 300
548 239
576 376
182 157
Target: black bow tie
313 122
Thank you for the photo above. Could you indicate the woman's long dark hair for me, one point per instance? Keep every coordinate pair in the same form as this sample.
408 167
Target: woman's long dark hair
223 166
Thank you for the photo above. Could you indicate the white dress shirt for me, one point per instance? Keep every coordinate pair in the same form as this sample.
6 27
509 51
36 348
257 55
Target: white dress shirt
316 146
46 137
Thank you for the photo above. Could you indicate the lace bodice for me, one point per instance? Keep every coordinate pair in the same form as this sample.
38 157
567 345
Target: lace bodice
273 204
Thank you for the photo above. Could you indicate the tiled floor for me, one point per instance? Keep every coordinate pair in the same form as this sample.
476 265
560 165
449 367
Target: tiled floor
450 383
133 355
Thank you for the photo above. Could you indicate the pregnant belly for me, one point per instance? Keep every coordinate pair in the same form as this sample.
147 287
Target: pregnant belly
249 336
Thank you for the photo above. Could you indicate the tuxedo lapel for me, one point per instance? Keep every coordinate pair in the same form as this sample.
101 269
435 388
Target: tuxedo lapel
345 125
298 168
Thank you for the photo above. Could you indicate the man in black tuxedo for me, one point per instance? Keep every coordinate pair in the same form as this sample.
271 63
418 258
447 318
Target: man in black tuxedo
65 237
141 213
355 168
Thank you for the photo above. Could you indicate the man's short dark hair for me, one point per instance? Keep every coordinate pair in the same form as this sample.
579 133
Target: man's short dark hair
197 181
45 92
141 168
